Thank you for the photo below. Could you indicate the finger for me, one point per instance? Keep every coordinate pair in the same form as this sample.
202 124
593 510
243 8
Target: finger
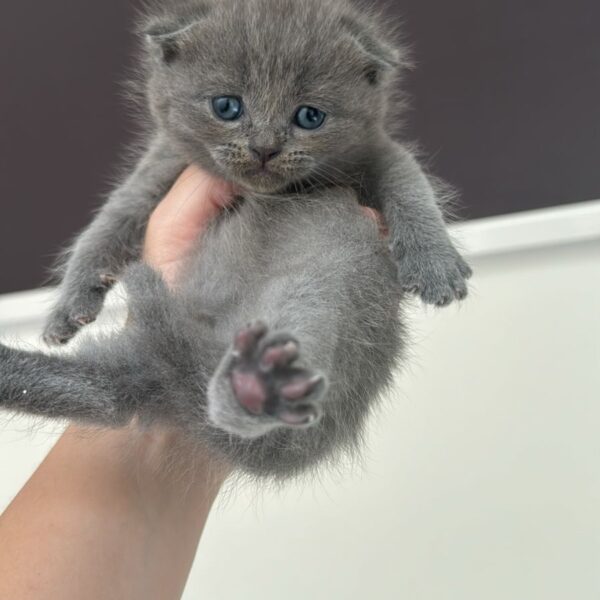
194 200
376 216
371 213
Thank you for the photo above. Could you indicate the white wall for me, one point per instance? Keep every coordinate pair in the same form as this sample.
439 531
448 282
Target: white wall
482 477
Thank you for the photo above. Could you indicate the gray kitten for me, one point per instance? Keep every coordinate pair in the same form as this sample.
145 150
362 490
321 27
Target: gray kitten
288 99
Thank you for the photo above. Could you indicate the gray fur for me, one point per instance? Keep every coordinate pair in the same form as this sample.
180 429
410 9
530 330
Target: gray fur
295 253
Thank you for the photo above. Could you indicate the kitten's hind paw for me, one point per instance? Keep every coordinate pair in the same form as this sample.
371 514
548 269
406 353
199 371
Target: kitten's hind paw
260 386
78 311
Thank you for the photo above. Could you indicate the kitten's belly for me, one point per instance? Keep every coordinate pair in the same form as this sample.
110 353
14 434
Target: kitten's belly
264 244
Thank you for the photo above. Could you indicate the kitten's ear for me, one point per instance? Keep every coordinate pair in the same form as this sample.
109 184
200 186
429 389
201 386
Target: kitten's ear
380 56
167 37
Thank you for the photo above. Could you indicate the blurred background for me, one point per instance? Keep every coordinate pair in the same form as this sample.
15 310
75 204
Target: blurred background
481 478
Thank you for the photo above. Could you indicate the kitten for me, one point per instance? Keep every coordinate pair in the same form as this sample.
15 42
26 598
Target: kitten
288 99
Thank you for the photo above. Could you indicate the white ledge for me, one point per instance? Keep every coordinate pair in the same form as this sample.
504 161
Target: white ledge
542 228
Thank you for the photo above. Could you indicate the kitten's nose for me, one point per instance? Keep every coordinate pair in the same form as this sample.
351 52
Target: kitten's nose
265 153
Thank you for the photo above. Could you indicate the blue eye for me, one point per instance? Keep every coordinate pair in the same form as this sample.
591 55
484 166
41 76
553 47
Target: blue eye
228 108
309 117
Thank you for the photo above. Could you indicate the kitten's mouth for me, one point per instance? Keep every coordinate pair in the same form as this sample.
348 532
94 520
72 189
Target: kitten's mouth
263 179
264 173
264 170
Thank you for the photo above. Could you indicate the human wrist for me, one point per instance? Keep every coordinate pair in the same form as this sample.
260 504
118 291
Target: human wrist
153 468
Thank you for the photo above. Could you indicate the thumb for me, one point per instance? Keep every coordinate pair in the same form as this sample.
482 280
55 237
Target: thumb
194 200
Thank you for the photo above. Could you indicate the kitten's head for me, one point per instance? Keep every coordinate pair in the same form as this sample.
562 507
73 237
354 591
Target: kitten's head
267 93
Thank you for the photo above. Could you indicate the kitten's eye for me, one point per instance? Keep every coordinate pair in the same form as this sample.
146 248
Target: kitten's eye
228 108
309 117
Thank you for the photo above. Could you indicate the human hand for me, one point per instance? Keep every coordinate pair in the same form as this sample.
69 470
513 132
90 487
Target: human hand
175 225
371 213
194 200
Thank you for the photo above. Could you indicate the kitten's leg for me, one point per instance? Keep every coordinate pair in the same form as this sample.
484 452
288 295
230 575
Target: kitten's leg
428 263
261 384
113 239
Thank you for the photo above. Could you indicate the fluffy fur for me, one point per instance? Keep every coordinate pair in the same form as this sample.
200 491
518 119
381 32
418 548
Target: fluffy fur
295 258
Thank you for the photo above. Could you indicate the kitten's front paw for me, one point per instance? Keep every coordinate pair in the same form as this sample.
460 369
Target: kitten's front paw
438 276
80 310
260 387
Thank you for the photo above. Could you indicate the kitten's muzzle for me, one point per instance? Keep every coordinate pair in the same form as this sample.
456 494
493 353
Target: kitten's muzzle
265 154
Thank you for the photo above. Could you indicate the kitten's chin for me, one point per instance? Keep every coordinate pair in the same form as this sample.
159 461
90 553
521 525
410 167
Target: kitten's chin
264 183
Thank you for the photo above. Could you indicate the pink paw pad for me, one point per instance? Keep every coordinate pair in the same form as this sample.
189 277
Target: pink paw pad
266 381
250 391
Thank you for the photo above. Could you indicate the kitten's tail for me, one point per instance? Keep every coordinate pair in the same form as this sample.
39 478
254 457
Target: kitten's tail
108 380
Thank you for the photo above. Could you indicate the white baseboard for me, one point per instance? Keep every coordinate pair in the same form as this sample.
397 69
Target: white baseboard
541 228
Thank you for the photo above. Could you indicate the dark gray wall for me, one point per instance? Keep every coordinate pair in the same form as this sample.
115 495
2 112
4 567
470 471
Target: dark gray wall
506 101
507 98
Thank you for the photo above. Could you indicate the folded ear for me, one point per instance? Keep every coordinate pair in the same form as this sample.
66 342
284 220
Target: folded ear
167 36
380 56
